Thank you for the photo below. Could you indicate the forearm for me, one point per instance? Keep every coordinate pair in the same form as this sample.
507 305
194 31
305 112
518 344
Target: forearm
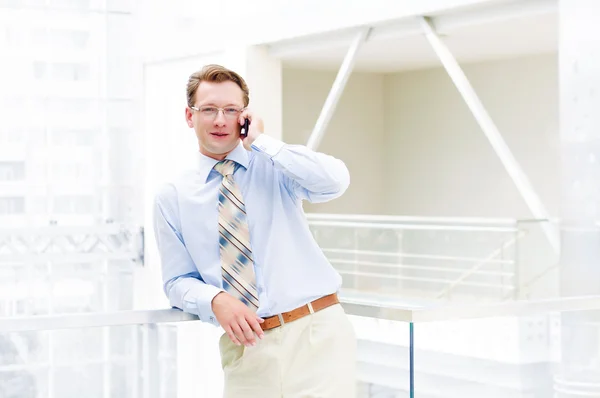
193 296
322 176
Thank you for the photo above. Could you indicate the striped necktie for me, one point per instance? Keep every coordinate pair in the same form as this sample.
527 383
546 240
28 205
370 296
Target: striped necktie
237 266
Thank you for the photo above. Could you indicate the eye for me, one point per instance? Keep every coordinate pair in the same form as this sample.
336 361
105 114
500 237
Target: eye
208 109
231 111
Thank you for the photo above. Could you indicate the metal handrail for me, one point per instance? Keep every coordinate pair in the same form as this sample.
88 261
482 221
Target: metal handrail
412 219
412 255
372 306
96 319
411 226
61 230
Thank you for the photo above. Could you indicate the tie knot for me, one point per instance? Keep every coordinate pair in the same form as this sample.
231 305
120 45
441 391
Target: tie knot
225 167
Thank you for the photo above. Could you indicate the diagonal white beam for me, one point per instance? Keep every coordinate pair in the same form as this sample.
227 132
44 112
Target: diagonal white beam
510 163
337 89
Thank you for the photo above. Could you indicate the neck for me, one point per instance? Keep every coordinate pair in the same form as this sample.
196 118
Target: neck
216 156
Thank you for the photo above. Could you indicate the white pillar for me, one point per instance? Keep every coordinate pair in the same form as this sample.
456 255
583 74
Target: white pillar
579 88
262 72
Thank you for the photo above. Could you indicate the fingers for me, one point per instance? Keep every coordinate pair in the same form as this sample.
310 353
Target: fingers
254 323
243 333
231 335
237 331
247 330
241 325
247 114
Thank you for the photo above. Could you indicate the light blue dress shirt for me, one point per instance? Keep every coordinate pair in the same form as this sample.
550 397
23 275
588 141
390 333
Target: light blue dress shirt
290 268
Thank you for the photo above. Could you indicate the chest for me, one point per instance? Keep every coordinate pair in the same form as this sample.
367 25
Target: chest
260 192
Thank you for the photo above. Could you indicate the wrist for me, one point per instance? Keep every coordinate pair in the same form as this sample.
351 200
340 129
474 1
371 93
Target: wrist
267 145
252 139
216 299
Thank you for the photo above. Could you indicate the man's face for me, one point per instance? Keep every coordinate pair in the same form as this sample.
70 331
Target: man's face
217 130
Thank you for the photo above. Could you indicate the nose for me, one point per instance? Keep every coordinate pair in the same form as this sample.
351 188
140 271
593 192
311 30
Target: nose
219 118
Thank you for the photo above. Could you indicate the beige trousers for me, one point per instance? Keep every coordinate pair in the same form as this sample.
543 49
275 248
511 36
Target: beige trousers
312 357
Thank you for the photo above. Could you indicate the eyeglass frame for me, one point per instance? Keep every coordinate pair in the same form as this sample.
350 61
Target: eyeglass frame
219 110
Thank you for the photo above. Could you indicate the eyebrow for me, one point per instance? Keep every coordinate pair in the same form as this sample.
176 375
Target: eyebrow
224 106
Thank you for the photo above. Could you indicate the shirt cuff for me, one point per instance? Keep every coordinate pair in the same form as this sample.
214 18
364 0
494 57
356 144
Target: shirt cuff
201 297
267 145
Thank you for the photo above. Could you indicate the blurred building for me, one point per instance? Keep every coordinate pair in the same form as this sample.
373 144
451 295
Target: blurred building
68 114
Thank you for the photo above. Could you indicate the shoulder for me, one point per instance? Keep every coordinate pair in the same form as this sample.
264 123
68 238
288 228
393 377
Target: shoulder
168 191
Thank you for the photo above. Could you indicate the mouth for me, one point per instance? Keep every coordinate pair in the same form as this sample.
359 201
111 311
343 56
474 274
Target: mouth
218 134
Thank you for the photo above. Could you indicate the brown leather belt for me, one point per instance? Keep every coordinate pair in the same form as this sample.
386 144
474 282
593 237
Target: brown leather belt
312 307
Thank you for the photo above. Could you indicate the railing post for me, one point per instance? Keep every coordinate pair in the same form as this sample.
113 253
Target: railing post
151 380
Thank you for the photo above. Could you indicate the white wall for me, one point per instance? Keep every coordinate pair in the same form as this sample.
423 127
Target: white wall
414 130
355 134
445 165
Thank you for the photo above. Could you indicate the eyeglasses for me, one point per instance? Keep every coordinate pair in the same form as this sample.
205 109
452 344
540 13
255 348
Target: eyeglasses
212 111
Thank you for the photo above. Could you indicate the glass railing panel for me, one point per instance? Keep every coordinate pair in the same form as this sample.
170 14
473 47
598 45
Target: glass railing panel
116 361
383 357
538 264
423 258
166 360
550 354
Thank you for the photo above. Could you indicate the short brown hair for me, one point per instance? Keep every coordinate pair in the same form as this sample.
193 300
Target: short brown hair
216 74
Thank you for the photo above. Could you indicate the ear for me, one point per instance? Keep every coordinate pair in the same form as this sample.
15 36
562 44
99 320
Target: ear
188 117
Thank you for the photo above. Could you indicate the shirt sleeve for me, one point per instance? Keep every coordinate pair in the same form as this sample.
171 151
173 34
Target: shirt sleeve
182 282
309 175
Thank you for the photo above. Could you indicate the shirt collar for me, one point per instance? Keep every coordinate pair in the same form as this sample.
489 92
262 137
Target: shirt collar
206 164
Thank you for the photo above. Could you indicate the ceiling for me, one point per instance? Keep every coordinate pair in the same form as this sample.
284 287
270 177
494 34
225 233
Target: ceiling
401 45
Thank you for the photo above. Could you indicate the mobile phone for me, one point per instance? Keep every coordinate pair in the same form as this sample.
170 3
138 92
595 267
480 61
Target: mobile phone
244 131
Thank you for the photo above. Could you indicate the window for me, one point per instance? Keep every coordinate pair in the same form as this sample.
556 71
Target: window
61 72
68 39
73 204
12 205
73 137
65 171
35 136
70 105
70 72
79 4
12 171
58 39
10 3
11 136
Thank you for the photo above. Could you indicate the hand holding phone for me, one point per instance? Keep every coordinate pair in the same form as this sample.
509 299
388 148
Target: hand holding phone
245 126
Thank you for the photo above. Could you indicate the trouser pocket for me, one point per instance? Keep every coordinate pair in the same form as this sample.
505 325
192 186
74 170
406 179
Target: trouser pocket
231 354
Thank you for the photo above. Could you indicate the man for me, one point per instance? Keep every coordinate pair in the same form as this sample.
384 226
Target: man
236 250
